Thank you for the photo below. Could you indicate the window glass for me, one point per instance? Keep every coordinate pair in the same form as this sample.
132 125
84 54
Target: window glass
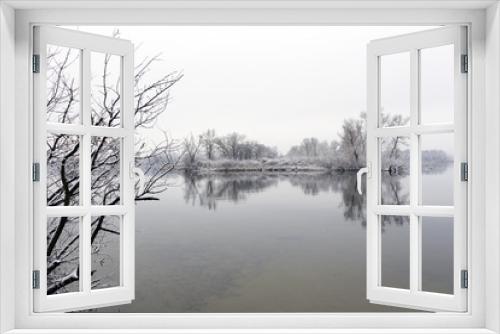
63 84
105 166
394 90
395 253
105 239
63 170
105 90
437 254
437 84
395 171
437 152
63 255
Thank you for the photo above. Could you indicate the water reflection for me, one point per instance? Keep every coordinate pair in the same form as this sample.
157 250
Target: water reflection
228 242
206 190
209 189
395 189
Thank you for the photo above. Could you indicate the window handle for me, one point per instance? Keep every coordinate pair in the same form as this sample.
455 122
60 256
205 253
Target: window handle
361 171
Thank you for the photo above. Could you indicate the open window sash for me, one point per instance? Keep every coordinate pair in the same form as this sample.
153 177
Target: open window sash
413 295
83 223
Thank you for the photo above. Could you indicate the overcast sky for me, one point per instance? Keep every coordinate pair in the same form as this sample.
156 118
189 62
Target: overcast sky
275 84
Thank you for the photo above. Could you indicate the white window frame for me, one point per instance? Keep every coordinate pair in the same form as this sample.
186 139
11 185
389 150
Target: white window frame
16 214
412 44
86 297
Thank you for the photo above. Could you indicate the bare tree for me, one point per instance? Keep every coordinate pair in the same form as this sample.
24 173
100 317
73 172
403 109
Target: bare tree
310 146
191 146
353 142
209 143
156 162
394 149
229 146
63 157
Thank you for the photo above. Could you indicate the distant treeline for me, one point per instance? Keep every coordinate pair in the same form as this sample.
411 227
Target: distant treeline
235 152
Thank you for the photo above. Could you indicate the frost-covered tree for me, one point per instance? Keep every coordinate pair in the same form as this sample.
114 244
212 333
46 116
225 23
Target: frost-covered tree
208 141
191 146
63 158
229 145
352 145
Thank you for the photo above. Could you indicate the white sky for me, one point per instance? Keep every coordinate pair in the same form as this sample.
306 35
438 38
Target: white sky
275 84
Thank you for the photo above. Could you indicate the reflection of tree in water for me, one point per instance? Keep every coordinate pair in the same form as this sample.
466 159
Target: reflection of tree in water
393 189
353 203
314 183
206 190
430 167
393 220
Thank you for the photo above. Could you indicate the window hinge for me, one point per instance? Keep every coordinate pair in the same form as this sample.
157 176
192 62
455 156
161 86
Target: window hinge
36 172
464 171
464 279
36 279
36 64
465 63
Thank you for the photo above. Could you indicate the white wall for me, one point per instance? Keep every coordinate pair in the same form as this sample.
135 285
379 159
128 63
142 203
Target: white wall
492 63
7 183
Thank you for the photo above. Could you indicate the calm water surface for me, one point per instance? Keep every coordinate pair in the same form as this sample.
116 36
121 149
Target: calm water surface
274 243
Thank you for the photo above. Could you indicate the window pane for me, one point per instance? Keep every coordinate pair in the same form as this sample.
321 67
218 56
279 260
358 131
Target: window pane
395 89
63 255
63 170
105 181
437 84
63 84
395 170
105 251
437 254
105 89
395 239
437 168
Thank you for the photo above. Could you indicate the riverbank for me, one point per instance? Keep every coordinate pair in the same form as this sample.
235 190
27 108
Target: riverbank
224 166
430 165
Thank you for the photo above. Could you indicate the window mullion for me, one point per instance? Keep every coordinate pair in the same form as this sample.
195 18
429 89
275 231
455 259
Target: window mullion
127 251
414 173
85 187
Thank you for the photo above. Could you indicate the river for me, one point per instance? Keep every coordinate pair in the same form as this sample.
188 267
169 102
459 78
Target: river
243 242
